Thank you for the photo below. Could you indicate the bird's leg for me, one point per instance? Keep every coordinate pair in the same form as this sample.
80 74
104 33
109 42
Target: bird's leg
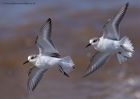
61 70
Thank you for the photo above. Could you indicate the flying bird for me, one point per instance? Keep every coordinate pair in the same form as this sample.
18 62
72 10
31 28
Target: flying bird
48 57
110 43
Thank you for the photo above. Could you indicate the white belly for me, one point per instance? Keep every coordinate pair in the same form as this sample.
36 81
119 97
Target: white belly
46 61
107 45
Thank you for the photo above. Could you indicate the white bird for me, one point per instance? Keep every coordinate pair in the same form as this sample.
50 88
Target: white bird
110 43
47 58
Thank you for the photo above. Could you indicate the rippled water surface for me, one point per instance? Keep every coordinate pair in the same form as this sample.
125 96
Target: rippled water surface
74 23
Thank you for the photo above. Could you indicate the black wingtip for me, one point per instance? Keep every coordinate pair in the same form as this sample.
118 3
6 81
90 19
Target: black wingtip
127 4
49 20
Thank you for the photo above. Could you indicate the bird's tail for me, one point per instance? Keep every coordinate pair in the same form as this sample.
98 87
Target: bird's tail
66 64
126 51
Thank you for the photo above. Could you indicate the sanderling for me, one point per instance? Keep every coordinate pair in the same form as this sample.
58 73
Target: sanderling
48 57
110 43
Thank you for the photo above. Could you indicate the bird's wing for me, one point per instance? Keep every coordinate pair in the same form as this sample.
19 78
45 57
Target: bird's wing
96 62
111 28
35 75
44 41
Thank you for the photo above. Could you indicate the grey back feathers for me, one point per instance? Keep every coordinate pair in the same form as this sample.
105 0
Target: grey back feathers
44 41
96 62
111 28
35 74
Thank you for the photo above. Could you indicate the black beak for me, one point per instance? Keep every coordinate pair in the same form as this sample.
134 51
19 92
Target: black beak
26 62
88 45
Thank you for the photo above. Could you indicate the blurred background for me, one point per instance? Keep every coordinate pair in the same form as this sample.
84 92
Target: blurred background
74 23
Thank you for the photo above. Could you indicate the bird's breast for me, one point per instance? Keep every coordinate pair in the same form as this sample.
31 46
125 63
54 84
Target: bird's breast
47 61
107 45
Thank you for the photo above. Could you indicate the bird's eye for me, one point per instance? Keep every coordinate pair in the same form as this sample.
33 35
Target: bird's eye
32 57
94 40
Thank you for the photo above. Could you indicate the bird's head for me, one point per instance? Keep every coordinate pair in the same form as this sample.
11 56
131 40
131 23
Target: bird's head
94 41
31 58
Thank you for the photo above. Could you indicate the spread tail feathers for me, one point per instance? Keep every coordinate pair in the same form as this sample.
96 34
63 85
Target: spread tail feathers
127 50
123 56
66 64
126 44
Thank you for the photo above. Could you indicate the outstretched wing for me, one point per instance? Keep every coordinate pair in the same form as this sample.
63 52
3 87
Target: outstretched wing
111 28
44 41
96 62
35 75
